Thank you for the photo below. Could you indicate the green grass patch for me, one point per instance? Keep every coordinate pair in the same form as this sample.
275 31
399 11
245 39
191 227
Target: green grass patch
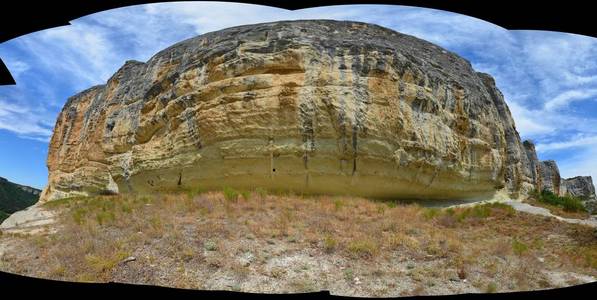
430 213
519 247
491 288
568 203
338 204
194 191
210 245
363 248
329 243
392 204
102 263
230 194
246 195
261 192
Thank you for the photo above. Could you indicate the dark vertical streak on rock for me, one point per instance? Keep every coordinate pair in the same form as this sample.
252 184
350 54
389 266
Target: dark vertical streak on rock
360 68
342 114
192 129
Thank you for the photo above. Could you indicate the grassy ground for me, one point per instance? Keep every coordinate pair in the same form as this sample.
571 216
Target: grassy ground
255 242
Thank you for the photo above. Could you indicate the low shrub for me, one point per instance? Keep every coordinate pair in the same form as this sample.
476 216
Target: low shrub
210 245
568 203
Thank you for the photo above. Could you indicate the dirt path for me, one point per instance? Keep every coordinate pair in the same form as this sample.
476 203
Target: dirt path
517 205
527 208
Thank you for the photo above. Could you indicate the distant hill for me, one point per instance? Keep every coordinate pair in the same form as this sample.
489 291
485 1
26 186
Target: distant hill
15 197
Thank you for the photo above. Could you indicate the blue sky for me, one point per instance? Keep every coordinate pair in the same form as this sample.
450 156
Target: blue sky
549 79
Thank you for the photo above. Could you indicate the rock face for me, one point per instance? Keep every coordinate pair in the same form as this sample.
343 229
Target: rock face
310 106
550 176
579 186
534 164
546 176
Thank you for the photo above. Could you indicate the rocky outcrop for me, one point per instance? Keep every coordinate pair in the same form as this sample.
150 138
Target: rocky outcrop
534 164
546 176
310 106
581 187
550 176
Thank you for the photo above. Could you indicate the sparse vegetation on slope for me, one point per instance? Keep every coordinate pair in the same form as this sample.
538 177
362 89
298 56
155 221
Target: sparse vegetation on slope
565 206
285 243
13 198
3 216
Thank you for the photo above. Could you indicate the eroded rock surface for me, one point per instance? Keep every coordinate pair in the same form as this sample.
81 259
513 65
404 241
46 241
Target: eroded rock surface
534 164
581 187
311 106
550 176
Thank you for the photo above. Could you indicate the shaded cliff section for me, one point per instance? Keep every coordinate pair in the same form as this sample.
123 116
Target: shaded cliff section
15 197
313 106
546 176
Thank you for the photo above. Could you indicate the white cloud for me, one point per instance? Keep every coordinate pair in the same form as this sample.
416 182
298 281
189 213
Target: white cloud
22 121
580 140
565 98
529 122
17 67
80 52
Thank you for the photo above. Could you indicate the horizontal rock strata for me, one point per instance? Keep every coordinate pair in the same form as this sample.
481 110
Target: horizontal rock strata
309 106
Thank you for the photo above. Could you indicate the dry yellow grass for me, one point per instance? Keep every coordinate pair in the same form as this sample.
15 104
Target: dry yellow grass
196 240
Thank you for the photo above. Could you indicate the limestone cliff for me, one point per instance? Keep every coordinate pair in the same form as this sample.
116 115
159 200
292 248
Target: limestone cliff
534 164
550 176
546 176
311 106
579 186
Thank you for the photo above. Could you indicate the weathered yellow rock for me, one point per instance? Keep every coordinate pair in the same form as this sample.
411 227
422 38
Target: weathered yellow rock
309 106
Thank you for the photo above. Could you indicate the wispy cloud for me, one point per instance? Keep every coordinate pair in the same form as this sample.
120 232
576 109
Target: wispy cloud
19 119
567 97
17 68
579 140
529 121
81 52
